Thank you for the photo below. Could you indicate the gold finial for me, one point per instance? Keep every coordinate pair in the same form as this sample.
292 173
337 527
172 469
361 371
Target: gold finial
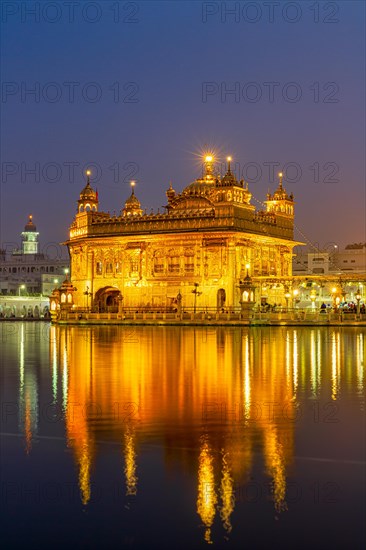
280 176
208 164
88 174
133 183
228 164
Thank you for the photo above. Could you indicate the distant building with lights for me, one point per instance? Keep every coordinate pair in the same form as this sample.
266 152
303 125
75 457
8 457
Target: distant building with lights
199 252
332 261
26 271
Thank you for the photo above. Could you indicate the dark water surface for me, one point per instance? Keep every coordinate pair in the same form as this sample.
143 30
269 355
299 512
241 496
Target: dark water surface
165 437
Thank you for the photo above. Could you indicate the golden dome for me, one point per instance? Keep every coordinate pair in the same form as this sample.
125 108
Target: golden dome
88 193
88 200
132 201
132 205
203 185
280 193
200 186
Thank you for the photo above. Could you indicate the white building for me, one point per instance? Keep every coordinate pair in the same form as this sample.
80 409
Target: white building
25 271
352 259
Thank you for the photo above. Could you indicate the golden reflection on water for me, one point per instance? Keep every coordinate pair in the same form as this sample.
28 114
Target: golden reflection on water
130 461
77 392
275 455
225 394
28 424
247 389
295 366
54 371
207 498
360 358
227 493
335 365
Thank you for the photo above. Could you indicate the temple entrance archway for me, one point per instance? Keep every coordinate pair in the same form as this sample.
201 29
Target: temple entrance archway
221 299
106 299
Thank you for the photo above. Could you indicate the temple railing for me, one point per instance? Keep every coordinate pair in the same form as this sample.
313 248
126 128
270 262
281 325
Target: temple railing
210 315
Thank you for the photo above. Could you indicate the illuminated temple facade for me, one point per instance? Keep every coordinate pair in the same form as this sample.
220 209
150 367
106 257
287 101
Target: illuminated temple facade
209 238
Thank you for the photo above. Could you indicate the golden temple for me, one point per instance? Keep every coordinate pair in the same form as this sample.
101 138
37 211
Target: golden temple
197 254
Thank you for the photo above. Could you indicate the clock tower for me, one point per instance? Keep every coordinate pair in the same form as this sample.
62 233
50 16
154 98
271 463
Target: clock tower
30 238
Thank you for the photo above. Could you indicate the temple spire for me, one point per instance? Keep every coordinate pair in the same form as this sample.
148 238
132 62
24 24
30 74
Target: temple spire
170 193
209 165
229 165
132 204
88 200
280 175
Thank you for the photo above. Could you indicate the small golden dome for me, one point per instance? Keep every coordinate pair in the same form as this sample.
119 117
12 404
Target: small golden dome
88 193
132 201
132 205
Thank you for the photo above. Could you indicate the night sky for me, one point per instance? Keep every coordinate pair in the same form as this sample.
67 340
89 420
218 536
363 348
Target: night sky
141 89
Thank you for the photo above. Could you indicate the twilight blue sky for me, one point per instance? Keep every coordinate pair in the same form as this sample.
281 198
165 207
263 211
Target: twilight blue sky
147 67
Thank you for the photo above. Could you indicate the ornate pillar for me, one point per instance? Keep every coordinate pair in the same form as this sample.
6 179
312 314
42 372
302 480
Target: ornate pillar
120 304
90 274
230 273
247 297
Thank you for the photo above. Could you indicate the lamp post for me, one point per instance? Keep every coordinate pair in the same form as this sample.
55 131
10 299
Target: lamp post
358 298
247 295
196 293
287 297
179 303
334 292
332 258
22 287
295 295
313 298
120 304
87 294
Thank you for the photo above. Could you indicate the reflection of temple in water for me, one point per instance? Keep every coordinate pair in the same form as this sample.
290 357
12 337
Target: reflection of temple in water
214 400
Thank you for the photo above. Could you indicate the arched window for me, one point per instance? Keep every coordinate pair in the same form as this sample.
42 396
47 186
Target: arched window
63 298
